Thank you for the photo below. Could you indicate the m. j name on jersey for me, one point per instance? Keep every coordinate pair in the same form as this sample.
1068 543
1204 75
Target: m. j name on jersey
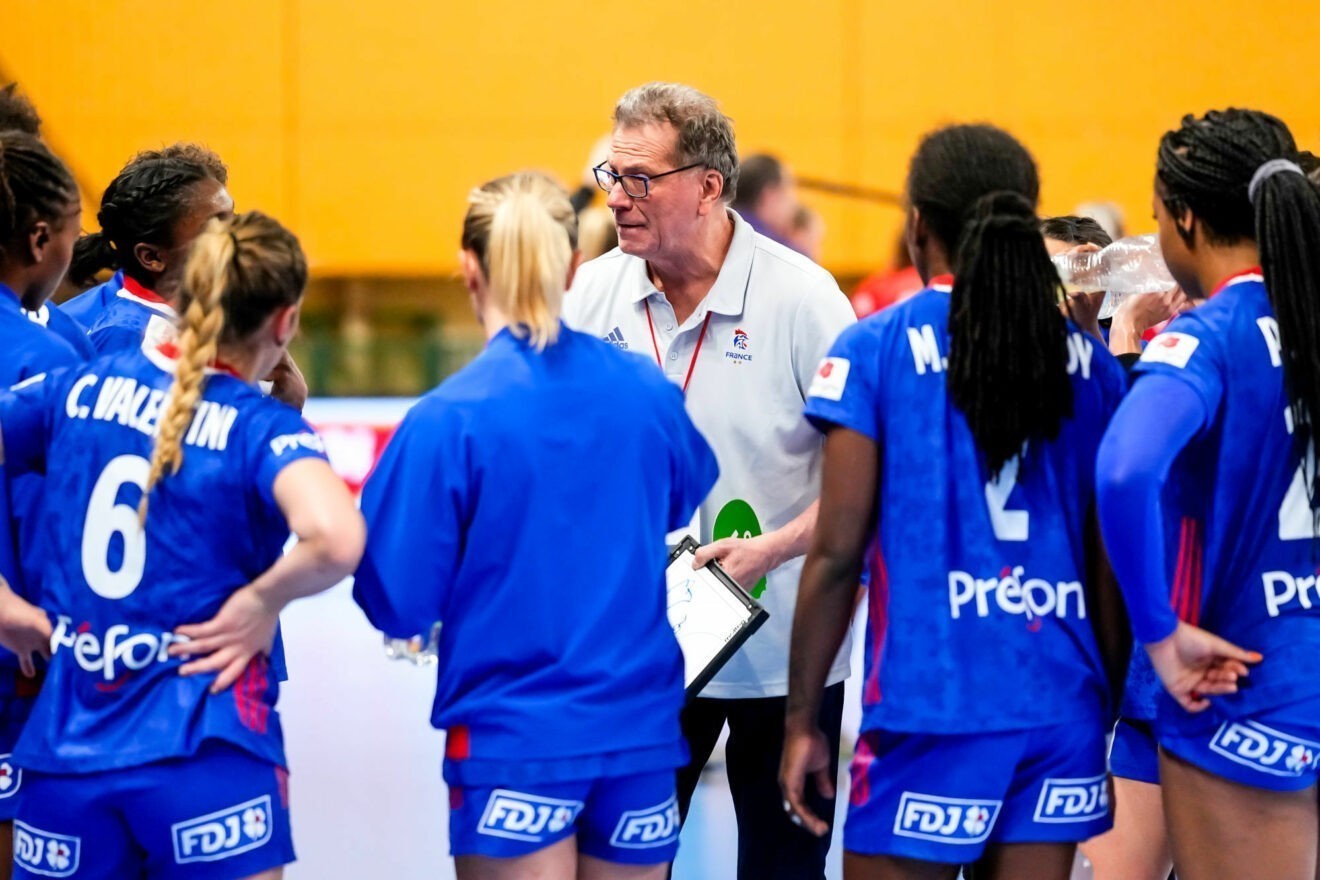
123 400
926 355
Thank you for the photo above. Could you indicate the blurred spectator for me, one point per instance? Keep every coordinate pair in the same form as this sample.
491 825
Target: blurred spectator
766 197
582 197
889 286
807 233
597 234
17 112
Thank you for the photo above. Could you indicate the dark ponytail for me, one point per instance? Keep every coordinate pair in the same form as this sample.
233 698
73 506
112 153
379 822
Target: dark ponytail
1208 166
1008 341
91 253
976 188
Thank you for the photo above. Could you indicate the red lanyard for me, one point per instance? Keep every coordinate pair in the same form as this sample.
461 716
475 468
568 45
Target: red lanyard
692 366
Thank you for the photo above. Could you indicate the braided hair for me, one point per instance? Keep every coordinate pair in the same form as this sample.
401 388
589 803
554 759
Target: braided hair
976 189
34 185
1206 166
144 203
239 272
17 112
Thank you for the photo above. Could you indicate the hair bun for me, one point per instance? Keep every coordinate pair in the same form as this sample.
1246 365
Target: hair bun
1003 203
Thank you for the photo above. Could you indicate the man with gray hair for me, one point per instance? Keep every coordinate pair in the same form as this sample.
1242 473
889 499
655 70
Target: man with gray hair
740 323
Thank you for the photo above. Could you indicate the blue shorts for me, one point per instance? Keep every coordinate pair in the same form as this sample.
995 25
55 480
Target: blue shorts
1134 753
945 797
1263 750
219 815
630 819
14 712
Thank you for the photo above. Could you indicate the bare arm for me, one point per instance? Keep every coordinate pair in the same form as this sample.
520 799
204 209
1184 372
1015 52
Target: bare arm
824 609
747 560
330 534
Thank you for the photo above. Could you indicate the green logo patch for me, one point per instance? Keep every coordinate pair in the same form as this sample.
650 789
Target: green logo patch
737 520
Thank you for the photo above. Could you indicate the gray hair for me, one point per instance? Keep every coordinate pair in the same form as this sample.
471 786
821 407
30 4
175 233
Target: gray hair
705 134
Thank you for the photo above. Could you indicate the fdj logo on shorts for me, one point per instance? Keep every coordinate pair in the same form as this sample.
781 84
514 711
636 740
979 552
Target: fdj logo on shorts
1265 749
640 829
945 820
1073 800
223 833
528 817
11 777
44 853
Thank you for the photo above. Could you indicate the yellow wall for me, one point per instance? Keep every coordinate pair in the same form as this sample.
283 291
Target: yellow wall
363 123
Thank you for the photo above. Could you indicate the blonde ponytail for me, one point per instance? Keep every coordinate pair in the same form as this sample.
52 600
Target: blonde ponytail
524 232
238 272
205 275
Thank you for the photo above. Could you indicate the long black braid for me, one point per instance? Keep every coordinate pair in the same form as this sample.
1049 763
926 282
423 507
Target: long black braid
1206 166
976 188
34 185
144 202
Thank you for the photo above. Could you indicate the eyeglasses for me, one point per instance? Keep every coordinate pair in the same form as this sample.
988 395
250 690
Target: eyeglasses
636 186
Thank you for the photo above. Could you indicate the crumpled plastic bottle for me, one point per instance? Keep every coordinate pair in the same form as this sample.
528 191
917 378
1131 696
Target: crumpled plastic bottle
1129 266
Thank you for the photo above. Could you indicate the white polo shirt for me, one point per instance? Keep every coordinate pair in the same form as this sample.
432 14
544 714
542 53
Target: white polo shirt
769 319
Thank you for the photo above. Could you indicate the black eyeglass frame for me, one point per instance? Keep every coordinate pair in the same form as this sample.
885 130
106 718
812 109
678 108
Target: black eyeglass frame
606 179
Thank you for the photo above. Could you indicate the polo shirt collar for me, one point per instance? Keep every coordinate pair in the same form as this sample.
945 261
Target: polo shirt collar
729 292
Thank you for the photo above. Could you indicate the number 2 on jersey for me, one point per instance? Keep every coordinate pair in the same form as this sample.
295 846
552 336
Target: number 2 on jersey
1009 525
1295 519
107 517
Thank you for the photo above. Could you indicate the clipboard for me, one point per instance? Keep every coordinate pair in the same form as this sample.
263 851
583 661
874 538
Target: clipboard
710 614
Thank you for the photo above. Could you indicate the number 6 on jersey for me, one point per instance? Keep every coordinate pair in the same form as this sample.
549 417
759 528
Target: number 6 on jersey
107 517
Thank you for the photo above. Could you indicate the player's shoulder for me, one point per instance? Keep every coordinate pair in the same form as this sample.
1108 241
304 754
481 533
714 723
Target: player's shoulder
32 348
1205 333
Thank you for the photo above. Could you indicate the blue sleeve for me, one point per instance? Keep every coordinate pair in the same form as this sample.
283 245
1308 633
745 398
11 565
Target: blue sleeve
693 467
111 338
1157 420
1188 352
416 507
27 414
73 333
284 439
844 391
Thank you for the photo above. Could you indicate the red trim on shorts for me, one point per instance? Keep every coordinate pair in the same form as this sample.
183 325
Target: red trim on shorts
879 623
249 691
458 743
1188 571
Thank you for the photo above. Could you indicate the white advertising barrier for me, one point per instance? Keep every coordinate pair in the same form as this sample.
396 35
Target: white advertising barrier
366 794
355 431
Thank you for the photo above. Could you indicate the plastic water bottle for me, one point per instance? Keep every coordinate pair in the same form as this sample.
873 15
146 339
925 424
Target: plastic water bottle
1129 266
417 650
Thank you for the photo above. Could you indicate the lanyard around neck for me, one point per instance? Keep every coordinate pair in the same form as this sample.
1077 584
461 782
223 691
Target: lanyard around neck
660 362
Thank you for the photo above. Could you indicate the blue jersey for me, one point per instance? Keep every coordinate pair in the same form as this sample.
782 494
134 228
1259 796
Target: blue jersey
115 592
978 618
87 306
524 503
65 328
134 316
30 351
1242 553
